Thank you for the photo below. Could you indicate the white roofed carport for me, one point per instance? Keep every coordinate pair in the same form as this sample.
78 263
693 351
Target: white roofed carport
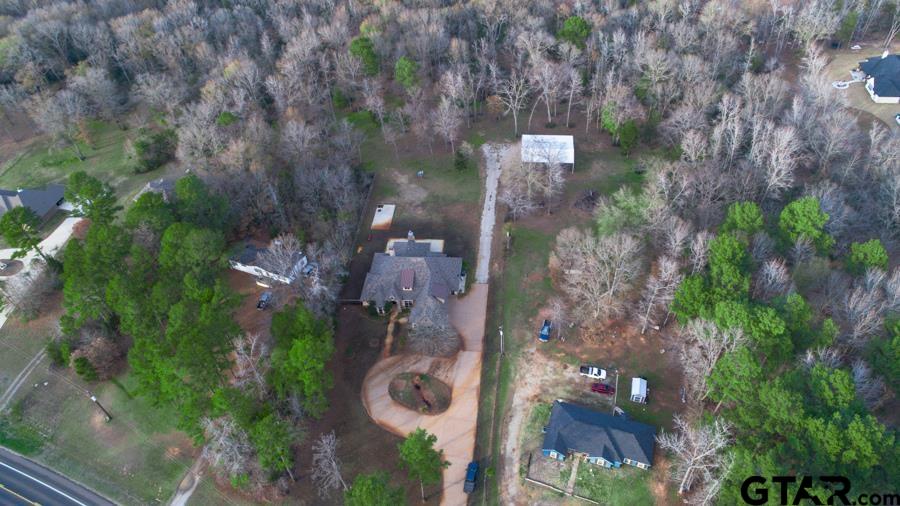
548 149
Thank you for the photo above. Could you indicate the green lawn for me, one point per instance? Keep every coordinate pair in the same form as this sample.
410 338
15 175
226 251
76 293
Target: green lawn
627 485
137 458
45 162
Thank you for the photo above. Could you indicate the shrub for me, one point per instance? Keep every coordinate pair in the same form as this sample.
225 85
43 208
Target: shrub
744 217
405 72
85 369
59 352
805 218
867 255
226 118
152 149
575 30
362 48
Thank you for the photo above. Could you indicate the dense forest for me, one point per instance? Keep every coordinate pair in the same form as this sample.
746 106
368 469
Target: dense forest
768 222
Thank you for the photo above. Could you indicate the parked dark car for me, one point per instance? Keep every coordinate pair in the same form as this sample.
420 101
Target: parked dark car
471 474
603 388
264 300
544 336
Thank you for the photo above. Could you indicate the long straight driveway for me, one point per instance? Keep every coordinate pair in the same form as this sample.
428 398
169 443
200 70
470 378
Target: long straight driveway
454 428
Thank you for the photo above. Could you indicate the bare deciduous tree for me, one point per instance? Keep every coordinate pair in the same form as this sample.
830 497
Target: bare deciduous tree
772 279
251 363
446 120
228 447
513 93
701 348
699 452
597 272
282 255
658 292
869 389
326 466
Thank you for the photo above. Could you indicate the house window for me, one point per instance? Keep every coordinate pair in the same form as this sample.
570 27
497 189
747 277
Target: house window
407 303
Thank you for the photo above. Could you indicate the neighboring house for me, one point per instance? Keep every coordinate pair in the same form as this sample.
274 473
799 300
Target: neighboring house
43 201
599 438
413 275
883 78
548 149
247 259
163 186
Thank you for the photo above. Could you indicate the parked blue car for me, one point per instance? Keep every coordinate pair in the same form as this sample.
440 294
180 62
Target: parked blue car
471 474
544 336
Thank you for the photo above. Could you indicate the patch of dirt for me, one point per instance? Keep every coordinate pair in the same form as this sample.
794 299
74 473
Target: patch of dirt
420 392
411 194
12 267
527 387
363 446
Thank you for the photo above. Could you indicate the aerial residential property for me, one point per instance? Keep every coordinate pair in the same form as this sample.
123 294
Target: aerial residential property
43 202
882 76
598 438
450 253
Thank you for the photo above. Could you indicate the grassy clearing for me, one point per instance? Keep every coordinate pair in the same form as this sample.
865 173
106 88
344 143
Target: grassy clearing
43 162
626 485
137 458
537 420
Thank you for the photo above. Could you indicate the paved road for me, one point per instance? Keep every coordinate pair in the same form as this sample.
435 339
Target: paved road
24 483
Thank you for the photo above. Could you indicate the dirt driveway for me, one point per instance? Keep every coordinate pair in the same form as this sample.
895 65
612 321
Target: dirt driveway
454 428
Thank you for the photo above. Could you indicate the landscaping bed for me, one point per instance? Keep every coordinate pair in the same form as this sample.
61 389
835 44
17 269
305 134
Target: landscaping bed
420 392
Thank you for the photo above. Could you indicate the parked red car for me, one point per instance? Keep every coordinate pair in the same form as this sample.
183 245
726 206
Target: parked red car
603 388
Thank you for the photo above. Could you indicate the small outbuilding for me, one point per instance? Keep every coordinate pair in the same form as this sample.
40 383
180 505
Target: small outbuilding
384 216
639 390
548 149
882 78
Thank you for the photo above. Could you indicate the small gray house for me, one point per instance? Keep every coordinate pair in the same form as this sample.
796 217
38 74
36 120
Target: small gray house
414 276
599 438
44 201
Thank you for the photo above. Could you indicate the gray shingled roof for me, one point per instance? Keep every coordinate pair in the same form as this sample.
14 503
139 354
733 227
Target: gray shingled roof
39 200
886 72
413 248
573 427
434 277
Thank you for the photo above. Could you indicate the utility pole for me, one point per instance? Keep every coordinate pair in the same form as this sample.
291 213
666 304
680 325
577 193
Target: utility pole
97 402
616 393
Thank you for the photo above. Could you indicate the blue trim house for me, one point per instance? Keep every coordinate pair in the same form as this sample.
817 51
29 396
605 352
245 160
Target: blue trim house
599 438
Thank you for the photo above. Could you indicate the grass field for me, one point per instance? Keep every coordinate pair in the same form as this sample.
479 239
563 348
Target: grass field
136 458
44 162
626 485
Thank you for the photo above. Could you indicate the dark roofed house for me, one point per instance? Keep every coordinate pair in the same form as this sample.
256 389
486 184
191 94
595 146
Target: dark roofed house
883 78
414 276
44 201
599 438
247 256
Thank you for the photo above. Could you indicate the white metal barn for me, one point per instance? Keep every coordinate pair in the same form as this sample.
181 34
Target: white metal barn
639 390
548 149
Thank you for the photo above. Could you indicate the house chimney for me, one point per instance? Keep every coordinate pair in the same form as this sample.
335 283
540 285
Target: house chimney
885 54
410 236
